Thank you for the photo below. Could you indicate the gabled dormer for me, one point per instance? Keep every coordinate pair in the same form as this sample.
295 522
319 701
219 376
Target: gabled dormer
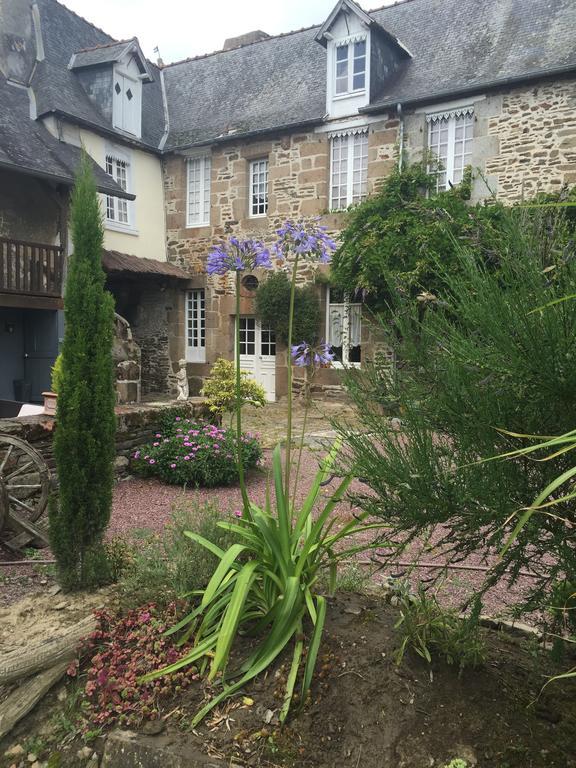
112 75
360 56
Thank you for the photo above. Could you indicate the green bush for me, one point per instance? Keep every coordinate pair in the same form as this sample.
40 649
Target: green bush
198 455
434 632
84 446
219 391
272 309
168 565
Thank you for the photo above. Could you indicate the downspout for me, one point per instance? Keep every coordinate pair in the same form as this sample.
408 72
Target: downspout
400 136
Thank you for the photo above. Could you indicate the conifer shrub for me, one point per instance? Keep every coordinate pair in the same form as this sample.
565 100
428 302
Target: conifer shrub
479 362
197 455
85 427
272 306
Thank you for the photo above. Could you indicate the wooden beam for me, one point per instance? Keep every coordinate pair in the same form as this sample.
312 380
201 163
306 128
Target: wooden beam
26 301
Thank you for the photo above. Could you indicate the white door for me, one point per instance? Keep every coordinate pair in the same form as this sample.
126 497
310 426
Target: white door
258 354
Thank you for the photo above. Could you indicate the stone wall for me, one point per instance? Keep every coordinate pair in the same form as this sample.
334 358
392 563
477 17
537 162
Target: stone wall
19 195
298 187
135 425
536 133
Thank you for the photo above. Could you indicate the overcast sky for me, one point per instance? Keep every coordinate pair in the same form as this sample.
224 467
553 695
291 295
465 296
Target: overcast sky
182 28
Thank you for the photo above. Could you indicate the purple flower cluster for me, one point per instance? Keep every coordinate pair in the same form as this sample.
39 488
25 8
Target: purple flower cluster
238 255
305 355
305 238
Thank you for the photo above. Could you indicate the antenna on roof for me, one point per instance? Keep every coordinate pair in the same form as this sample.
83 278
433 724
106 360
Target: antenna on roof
159 61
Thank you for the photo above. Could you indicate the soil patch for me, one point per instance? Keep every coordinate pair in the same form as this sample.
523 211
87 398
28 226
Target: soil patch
366 711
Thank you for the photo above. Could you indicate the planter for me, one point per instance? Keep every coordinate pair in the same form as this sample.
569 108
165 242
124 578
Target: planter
50 400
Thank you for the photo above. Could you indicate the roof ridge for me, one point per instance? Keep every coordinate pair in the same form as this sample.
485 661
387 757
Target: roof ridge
238 47
90 24
106 45
390 5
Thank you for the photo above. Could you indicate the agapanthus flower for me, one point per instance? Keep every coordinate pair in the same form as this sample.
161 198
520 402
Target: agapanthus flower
305 238
238 255
305 354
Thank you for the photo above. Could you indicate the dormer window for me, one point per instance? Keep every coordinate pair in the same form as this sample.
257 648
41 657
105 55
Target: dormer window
350 67
127 100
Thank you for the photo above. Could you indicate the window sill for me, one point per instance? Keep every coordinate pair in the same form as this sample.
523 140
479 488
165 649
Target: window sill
258 215
126 229
201 225
341 366
349 95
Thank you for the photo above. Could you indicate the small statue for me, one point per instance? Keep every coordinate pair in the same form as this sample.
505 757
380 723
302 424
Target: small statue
182 381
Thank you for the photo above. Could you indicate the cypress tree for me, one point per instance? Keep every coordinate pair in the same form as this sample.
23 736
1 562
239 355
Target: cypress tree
85 420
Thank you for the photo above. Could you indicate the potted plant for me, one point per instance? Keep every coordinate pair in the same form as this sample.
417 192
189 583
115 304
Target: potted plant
51 398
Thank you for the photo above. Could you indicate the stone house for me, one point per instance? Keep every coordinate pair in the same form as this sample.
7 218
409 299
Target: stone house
301 124
309 122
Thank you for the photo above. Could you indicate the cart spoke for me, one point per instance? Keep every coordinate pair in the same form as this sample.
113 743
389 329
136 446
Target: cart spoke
8 452
22 504
19 471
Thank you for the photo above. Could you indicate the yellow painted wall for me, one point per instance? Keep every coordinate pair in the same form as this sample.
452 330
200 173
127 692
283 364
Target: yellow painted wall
148 240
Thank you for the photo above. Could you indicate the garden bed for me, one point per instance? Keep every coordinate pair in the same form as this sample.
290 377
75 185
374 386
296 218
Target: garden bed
364 710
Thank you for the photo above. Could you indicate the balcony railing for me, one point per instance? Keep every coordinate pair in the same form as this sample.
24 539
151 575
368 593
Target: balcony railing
31 268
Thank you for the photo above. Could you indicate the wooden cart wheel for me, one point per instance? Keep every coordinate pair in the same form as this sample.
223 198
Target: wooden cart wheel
24 481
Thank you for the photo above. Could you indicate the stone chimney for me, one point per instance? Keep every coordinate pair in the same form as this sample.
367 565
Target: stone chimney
246 39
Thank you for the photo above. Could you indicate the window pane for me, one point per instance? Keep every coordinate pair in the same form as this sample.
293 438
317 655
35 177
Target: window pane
199 170
342 53
360 48
258 187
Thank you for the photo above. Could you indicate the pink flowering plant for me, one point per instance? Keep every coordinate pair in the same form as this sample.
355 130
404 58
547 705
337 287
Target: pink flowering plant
265 583
198 455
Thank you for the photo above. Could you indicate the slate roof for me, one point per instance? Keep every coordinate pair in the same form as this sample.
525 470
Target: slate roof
27 147
457 46
58 88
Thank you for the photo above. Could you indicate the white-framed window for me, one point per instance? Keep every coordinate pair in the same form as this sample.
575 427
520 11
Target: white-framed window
348 169
127 99
119 211
198 202
196 326
450 137
350 63
258 187
344 327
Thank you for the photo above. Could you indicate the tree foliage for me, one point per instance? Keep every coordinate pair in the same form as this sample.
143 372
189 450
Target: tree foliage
480 360
84 445
393 239
273 304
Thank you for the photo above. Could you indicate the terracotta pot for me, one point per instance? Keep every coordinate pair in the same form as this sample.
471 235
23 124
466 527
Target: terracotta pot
50 400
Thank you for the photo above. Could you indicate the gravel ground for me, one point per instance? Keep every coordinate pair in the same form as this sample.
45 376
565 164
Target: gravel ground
146 504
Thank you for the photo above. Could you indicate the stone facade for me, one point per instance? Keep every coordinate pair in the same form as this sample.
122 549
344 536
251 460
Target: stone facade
524 142
536 132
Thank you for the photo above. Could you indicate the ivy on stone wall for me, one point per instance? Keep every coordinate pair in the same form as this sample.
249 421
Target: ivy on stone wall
272 303
393 238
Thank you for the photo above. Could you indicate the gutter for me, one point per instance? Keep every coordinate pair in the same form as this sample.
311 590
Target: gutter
400 137
118 137
518 80
246 135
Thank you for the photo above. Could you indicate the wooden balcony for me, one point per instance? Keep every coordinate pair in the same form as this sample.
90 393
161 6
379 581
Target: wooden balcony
31 269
